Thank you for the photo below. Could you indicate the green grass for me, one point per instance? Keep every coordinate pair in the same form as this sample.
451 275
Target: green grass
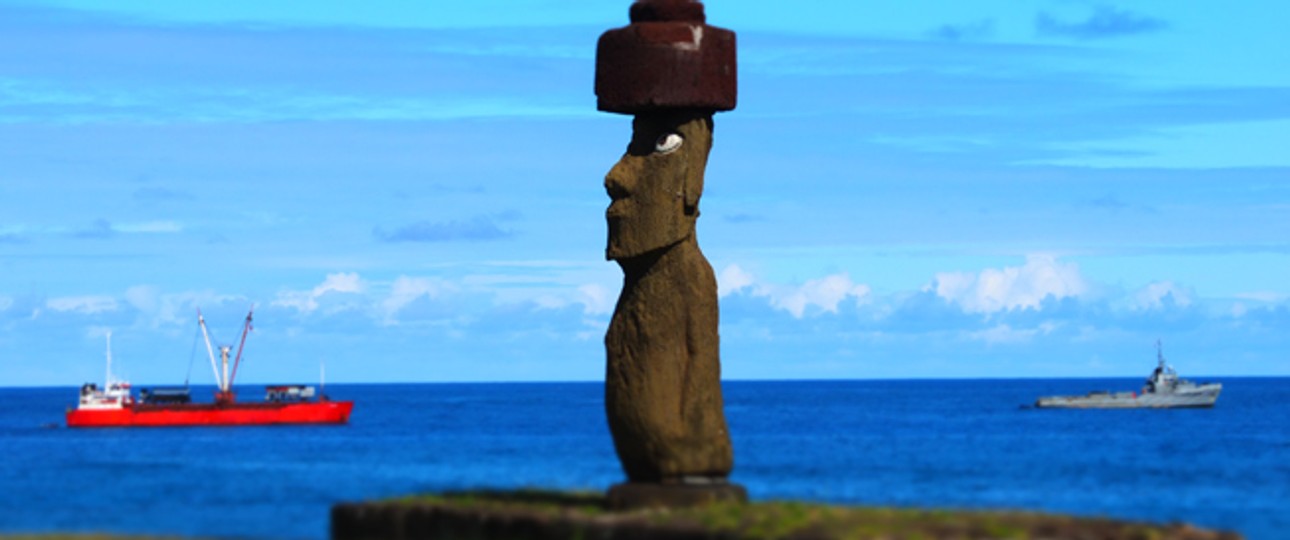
788 519
585 503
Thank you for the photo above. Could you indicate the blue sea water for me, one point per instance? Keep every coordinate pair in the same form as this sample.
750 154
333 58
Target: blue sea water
938 443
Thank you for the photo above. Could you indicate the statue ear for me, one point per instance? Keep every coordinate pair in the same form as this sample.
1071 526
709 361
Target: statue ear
692 186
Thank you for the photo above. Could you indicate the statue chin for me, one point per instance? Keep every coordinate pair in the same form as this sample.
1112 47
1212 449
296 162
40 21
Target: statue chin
621 248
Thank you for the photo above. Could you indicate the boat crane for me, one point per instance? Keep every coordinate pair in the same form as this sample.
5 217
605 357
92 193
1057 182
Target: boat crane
224 381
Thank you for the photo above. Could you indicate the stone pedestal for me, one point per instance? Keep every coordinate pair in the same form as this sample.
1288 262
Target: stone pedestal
637 495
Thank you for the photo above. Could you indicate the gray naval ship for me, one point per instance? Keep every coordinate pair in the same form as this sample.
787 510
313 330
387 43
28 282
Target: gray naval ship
1163 389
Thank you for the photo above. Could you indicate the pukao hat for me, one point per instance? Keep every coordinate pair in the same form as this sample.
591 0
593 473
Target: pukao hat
667 58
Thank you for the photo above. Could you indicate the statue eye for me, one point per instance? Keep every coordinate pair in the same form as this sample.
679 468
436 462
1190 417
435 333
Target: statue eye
668 143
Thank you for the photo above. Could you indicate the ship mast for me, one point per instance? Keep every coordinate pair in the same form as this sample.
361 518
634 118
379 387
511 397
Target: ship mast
219 381
223 357
246 327
107 377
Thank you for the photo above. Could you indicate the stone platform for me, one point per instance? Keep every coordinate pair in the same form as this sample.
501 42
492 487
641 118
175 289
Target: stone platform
536 515
635 496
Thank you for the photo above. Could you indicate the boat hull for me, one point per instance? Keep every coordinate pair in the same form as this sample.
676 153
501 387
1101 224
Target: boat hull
1203 397
233 414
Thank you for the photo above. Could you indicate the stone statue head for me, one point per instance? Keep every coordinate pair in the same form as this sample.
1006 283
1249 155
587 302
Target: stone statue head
655 187
672 71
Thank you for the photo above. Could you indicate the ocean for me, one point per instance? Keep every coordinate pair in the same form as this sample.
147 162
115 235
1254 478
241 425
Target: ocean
911 443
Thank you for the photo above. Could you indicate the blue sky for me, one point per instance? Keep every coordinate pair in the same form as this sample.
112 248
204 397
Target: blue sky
413 192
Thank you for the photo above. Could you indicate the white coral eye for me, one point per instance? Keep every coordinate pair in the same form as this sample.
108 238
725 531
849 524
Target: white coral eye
668 143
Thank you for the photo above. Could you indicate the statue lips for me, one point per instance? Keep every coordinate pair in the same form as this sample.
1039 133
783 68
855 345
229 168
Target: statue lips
616 215
613 250
617 210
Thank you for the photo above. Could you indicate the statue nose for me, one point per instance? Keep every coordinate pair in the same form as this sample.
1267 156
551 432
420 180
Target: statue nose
615 182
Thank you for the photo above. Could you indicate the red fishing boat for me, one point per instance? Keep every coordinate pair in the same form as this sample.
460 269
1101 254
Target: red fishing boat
115 405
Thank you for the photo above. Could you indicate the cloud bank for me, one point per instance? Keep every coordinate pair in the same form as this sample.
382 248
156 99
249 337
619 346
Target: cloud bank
1011 288
1007 304
1040 317
1106 22
964 32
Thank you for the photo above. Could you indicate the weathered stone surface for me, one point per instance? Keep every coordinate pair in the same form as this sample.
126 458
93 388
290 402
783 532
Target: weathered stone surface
655 194
663 374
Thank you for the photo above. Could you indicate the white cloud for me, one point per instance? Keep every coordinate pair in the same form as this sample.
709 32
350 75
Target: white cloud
143 298
1263 296
1160 295
154 307
732 279
1012 287
149 227
598 299
181 308
338 284
5 303
825 293
550 301
405 290
387 302
85 305
1004 334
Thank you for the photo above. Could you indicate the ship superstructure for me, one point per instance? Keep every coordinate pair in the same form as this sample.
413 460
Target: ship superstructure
115 393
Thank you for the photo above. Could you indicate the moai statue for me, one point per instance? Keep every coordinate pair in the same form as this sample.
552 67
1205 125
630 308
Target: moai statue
663 374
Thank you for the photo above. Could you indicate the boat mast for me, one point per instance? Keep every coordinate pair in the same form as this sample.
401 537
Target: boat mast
246 327
219 381
107 377
223 357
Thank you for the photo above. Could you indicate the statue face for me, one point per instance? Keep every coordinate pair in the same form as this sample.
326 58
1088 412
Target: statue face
655 187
